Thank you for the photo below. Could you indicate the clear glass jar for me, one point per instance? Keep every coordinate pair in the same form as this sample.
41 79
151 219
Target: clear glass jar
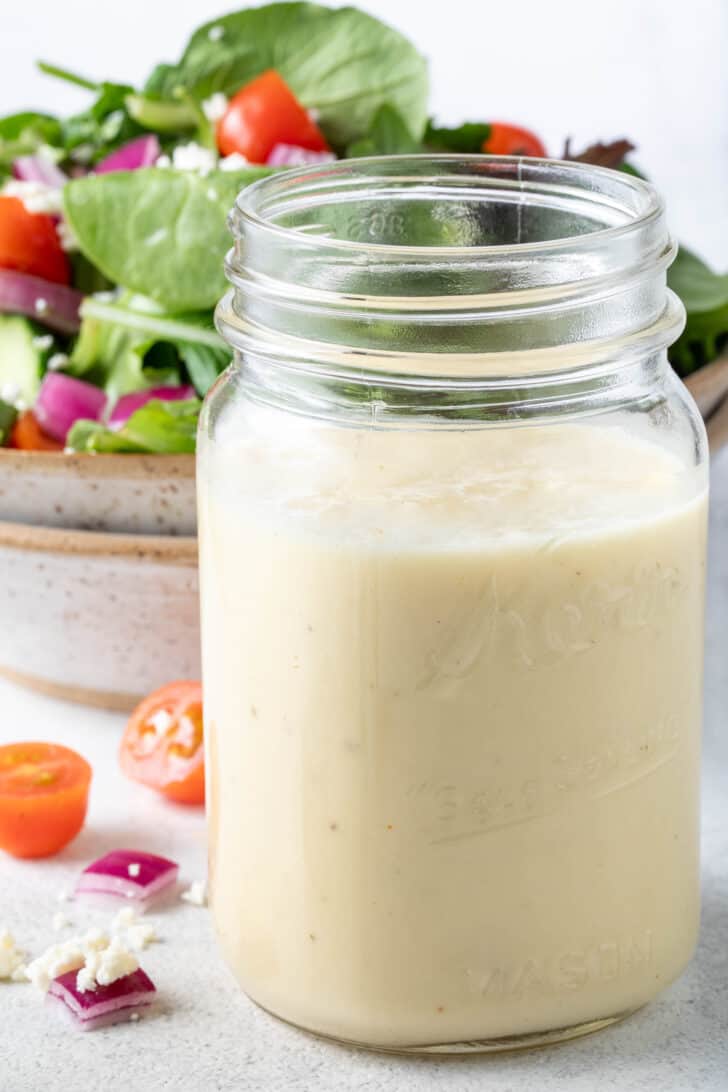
452 529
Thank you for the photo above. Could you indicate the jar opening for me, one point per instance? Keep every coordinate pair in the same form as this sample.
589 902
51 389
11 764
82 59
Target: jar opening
449 257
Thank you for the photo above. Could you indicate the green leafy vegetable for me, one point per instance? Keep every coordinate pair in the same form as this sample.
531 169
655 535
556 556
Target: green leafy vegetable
341 62
161 116
465 138
8 414
388 135
24 134
162 233
705 295
128 344
161 428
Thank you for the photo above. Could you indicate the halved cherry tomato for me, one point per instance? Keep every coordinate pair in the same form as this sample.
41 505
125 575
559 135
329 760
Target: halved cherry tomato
43 797
512 140
29 242
163 745
264 113
27 434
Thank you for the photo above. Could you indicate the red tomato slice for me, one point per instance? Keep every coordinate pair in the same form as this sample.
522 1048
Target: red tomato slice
163 743
27 435
264 113
43 797
512 140
29 243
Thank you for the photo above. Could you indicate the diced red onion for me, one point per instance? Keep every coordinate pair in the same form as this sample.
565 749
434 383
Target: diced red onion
106 1004
63 400
110 877
130 403
291 155
143 151
38 168
55 305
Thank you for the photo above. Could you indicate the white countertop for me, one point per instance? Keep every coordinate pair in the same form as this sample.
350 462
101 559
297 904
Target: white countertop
207 1037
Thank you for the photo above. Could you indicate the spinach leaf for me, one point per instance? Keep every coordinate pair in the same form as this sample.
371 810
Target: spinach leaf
705 295
24 134
388 135
161 428
159 232
465 138
128 344
341 62
94 133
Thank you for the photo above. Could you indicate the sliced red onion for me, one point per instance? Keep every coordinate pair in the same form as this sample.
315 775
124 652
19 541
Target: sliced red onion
55 305
63 400
38 168
143 151
117 876
106 1004
291 155
130 403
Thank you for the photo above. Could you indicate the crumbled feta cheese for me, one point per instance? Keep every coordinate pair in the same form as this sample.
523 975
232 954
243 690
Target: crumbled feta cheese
126 916
36 196
95 940
233 162
193 157
66 238
54 961
214 107
134 869
314 115
133 1016
43 342
41 305
162 161
196 893
10 393
106 966
105 297
57 362
215 33
60 921
11 957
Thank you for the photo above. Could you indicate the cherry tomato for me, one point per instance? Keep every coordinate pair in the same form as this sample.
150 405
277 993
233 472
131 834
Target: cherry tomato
512 140
264 113
163 743
27 435
43 797
29 242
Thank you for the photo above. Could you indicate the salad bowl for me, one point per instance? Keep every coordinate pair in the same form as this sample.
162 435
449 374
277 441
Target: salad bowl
127 494
97 618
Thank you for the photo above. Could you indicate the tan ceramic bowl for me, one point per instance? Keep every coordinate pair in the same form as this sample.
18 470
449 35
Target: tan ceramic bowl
129 494
97 618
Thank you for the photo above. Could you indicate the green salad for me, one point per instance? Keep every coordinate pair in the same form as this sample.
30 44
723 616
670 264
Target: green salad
113 221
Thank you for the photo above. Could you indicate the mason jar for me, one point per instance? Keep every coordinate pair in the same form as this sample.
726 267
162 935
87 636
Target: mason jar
452 531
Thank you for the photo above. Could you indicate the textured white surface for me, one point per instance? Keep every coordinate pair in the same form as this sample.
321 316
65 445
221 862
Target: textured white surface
207 1037
653 70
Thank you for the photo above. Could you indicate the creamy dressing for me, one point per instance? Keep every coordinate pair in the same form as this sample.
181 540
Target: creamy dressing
453 693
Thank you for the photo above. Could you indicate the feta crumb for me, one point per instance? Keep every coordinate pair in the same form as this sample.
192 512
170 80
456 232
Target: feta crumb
95 940
105 297
193 157
105 966
133 1016
163 161
36 196
57 361
196 893
10 393
41 305
214 107
215 33
314 115
124 918
54 961
11 957
233 162
66 237
43 342
134 869
60 921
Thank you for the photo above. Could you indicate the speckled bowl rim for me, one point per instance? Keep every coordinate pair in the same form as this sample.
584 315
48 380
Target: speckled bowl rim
85 465
178 550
